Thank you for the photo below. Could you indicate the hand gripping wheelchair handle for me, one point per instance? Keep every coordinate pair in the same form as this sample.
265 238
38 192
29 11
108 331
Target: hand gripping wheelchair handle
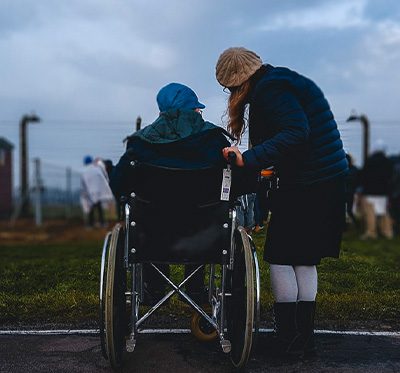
232 158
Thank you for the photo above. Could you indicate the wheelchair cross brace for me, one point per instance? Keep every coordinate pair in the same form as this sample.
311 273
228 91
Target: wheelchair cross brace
176 289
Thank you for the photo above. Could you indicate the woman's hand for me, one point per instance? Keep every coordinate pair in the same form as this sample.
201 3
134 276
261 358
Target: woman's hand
239 158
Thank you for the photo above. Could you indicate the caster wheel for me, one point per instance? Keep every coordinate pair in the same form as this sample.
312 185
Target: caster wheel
201 329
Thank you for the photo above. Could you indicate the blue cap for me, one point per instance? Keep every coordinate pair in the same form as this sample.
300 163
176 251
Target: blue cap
87 160
177 96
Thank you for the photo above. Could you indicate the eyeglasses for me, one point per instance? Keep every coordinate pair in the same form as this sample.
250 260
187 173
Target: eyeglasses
229 90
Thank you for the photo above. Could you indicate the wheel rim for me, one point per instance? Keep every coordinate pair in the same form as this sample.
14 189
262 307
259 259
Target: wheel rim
115 303
103 280
257 300
240 306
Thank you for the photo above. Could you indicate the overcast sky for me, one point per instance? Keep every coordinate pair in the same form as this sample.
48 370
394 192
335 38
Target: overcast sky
88 68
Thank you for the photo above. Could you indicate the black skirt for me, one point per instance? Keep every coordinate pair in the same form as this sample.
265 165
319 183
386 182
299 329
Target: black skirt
306 223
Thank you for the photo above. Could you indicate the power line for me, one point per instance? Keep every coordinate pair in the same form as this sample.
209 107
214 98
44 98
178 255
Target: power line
132 120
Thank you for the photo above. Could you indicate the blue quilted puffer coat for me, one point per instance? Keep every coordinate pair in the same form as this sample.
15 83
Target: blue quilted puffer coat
292 128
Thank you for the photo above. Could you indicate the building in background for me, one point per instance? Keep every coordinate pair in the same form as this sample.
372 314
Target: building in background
5 178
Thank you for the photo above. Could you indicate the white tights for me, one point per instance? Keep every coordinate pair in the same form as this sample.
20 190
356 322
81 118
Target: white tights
293 283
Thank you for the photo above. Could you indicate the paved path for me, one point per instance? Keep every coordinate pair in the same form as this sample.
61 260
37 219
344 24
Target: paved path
182 353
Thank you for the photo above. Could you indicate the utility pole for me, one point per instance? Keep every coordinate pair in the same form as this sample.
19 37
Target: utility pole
138 123
68 203
366 129
24 161
138 126
38 193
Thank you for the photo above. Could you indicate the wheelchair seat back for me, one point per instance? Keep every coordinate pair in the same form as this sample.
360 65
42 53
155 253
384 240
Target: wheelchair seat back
178 216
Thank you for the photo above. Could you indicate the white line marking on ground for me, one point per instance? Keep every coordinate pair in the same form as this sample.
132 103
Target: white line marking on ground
185 331
355 332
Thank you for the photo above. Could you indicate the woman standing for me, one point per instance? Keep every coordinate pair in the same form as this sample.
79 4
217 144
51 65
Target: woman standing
291 128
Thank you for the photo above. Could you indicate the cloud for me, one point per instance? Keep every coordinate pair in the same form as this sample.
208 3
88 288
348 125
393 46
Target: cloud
381 47
99 61
328 15
369 61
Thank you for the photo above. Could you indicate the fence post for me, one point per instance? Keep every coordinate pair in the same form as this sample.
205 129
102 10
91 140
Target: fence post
38 193
69 193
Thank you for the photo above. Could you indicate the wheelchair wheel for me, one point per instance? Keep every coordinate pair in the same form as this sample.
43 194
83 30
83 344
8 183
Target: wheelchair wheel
115 302
241 303
201 329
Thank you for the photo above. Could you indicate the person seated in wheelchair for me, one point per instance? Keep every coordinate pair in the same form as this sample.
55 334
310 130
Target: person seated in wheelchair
179 138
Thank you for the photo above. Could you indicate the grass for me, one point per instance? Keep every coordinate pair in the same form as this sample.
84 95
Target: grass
49 282
58 283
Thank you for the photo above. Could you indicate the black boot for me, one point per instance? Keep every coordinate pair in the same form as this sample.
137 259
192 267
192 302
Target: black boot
304 344
285 327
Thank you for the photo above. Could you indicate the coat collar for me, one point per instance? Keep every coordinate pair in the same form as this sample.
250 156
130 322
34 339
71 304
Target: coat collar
174 125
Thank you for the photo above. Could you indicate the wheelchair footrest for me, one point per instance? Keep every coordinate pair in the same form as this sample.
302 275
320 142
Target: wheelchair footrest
130 343
226 345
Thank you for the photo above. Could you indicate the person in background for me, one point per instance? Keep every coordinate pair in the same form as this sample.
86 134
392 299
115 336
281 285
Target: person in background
113 206
375 186
109 167
245 212
394 201
94 192
292 129
100 163
352 180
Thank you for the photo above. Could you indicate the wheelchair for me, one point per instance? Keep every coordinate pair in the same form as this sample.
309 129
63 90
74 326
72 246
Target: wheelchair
193 227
